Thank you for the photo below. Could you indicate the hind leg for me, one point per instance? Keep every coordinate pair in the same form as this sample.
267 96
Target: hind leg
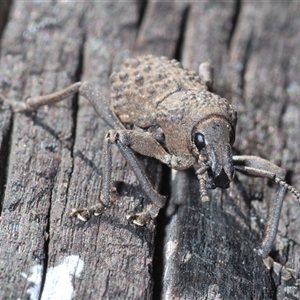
205 72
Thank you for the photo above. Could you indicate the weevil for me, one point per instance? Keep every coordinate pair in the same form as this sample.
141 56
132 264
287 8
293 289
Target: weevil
161 110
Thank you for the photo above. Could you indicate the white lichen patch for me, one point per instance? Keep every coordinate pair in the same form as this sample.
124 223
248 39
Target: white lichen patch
58 282
35 279
171 248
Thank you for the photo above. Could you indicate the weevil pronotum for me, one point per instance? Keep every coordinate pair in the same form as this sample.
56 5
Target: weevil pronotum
162 110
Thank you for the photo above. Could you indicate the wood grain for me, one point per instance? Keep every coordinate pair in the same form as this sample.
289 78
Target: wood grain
51 160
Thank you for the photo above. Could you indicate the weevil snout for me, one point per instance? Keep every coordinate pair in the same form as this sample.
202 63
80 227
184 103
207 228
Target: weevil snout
213 139
222 180
221 165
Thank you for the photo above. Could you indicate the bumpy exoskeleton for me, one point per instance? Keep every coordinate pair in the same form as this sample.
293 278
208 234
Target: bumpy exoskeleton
161 110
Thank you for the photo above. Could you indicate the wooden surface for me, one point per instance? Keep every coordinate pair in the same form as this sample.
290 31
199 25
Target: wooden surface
51 160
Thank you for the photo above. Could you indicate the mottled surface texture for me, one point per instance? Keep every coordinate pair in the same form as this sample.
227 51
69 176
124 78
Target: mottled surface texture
160 97
50 161
143 83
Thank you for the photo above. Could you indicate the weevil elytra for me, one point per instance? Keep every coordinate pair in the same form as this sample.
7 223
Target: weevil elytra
161 110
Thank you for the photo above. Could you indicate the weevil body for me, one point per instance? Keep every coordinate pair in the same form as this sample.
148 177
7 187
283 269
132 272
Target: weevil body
162 110
193 125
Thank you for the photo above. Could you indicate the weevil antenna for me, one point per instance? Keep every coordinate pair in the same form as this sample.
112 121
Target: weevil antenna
203 191
290 188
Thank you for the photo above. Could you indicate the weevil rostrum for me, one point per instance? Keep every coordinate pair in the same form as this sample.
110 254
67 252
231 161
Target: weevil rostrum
159 109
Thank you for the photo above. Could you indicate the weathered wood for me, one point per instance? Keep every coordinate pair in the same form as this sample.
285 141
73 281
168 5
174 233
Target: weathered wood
270 56
106 257
160 30
37 43
4 115
55 155
117 257
209 250
4 10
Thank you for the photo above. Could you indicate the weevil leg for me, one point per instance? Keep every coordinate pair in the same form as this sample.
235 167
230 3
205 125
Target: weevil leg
100 104
205 72
259 167
158 200
93 95
144 143
87 90
272 226
286 273
85 213
121 138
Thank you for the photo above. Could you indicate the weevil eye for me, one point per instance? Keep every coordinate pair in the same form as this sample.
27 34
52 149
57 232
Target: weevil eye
199 141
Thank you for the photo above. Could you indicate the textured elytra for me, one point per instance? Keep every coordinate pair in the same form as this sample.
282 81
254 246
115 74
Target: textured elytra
143 89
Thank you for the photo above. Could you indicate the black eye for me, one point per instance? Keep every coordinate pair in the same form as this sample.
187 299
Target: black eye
199 141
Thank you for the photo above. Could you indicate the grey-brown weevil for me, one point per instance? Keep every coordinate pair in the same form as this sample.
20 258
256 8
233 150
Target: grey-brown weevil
161 110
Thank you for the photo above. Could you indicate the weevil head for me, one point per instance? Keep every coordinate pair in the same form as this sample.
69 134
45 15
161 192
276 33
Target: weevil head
212 139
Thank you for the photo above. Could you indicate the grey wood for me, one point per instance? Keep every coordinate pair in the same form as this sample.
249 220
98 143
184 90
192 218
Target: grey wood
51 160
209 250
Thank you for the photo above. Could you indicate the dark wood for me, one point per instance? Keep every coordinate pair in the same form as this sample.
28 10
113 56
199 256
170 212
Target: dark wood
161 28
52 158
4 11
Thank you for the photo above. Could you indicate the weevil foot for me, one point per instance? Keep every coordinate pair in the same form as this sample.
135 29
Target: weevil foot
143 218
286 273
140 219
85 213
81 213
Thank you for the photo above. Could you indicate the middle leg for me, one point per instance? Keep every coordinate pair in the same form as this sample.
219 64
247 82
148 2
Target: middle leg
126 140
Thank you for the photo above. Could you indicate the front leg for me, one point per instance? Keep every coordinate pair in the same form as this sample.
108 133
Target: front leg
259 167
